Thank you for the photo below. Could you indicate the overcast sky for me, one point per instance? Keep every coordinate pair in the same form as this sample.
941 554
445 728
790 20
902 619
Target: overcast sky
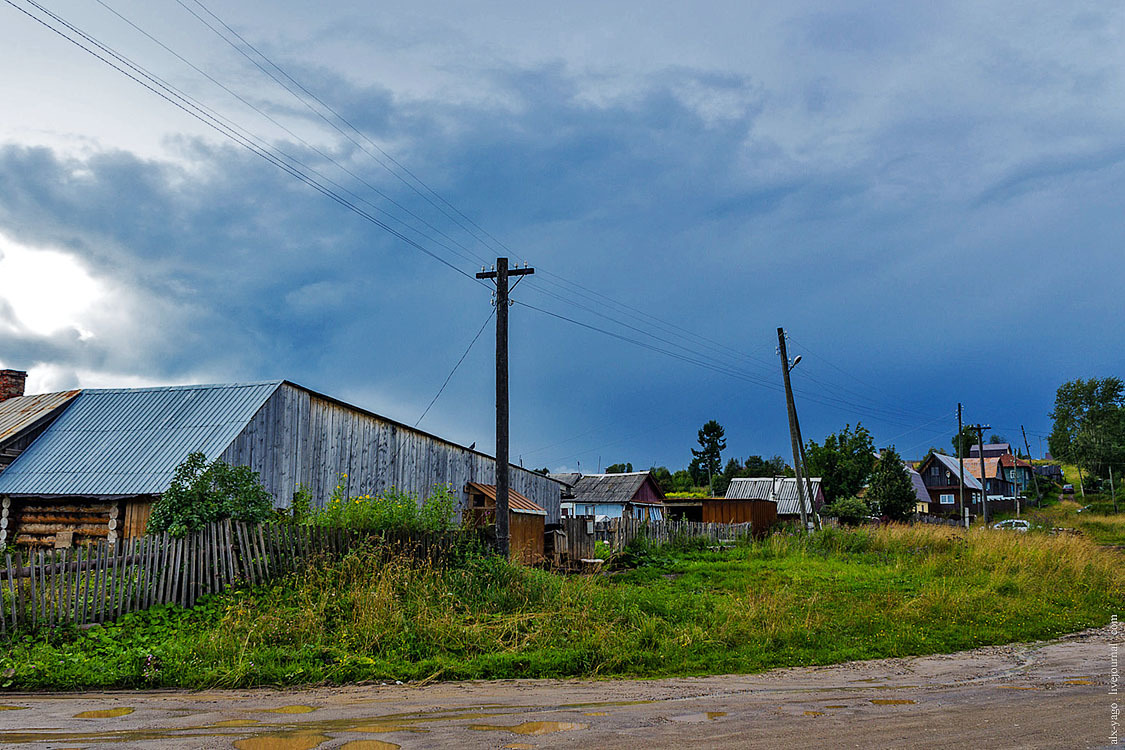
928 197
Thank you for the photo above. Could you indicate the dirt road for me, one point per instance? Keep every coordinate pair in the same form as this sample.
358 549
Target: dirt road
1052 694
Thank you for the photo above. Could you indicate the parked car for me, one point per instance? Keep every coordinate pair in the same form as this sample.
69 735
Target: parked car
1013 524
1068 489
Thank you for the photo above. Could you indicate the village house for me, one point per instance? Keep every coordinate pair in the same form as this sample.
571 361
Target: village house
991 450
605 496
940 474
23 418
781 490
95 471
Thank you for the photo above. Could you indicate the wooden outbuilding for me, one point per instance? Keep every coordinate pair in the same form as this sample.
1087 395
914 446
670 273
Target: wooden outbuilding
760 514
112 452
527 522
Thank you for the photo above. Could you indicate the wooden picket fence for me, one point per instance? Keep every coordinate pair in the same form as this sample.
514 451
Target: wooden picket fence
583 533
99 583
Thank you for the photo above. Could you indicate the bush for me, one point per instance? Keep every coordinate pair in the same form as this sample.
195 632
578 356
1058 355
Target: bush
202 493
391 511
850 511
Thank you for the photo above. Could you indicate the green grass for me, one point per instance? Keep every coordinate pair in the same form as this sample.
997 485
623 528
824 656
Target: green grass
1098 522
784 601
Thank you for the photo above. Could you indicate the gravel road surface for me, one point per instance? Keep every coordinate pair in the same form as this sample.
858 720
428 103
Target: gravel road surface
1051 695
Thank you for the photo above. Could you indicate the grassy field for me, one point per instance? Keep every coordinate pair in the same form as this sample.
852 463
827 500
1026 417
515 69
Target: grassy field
1098 522
784 601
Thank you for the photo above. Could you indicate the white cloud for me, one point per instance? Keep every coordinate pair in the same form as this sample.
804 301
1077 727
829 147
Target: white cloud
47 291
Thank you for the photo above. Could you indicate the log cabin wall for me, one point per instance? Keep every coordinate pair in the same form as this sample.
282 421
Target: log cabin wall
47 522
300 438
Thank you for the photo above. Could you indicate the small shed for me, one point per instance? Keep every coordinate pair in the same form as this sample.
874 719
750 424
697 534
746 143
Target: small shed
760 514
782 490
527 522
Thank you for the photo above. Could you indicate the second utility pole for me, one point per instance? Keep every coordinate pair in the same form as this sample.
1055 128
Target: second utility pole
501 274
792 427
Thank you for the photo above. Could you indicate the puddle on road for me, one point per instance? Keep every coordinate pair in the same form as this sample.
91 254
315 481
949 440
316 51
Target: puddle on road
815 713
13 708
282 742
892 702
369 745
237 723
107 713
290 710
712 715
596 713
531 727
378 727
1078 682
836 706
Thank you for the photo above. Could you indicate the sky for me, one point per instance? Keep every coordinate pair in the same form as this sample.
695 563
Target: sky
928 200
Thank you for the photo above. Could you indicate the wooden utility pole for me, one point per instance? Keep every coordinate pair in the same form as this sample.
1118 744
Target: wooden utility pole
961 463
792 427
1034 476
502 273
805 470
980 428
1112 493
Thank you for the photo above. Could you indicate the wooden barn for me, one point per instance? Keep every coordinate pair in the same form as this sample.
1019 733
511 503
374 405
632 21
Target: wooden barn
760 514
112 452
527 522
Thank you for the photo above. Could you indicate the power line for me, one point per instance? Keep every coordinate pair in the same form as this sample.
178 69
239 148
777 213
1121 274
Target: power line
450 375
156 86
301 171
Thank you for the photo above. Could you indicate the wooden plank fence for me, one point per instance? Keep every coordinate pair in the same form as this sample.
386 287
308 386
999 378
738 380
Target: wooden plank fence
101 582
582 533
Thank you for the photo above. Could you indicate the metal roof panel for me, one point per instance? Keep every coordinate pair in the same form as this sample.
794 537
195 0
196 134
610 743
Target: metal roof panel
129 441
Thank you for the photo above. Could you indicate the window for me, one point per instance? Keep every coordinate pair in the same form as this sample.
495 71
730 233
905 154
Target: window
947 500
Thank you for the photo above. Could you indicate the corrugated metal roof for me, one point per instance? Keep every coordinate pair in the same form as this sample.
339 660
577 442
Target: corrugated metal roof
517 503
782 489
610 488
971 482
21 412
129 441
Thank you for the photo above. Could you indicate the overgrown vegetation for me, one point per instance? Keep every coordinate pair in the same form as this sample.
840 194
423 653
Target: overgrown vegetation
850 511
203 492
829 597
391 511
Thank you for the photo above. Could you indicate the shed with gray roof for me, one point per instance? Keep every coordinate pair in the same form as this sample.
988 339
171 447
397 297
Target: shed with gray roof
782 490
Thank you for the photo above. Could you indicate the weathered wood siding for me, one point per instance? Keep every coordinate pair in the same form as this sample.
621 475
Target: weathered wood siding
299 438
760 514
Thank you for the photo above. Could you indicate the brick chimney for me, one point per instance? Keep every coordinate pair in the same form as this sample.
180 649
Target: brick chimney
11 383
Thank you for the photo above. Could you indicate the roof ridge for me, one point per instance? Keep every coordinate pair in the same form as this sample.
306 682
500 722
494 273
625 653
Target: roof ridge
186 387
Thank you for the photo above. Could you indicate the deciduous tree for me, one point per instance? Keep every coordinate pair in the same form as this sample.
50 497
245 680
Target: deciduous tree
890 491
843 462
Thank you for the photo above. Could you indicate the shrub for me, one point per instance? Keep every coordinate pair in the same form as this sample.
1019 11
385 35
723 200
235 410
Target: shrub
850 511
391 511
201 493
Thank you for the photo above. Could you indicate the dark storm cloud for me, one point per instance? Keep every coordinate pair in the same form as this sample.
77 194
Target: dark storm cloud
904 248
